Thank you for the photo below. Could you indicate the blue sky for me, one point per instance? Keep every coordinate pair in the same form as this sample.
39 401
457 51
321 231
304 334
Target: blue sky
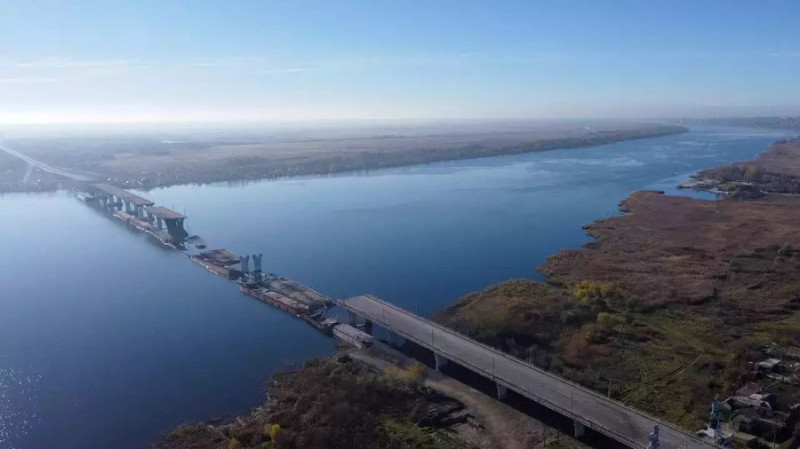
84 61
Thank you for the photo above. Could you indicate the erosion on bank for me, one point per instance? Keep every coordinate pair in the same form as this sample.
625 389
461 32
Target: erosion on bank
335 403
664 309
153 163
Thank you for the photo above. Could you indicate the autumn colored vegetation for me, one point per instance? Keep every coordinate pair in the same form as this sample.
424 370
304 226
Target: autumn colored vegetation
664 309
330 404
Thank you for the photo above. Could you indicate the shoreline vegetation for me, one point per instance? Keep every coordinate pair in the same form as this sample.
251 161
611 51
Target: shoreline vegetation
370 399
669 305
336 402
146 165
667 308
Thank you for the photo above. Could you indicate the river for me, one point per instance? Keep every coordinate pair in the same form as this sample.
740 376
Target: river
109 340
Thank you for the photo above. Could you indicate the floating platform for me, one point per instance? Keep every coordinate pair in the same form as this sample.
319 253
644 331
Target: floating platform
287 295
220 257
282 302
216 269
297 291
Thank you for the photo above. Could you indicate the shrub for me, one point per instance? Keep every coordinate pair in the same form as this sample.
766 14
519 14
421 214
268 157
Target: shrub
412 375
597 293
786 250
610 320
578 315
271 430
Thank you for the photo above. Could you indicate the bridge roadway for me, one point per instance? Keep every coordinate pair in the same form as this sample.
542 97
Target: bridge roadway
44 167
593 410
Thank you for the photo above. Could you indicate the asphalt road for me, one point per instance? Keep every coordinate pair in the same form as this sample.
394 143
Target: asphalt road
44 167
612 418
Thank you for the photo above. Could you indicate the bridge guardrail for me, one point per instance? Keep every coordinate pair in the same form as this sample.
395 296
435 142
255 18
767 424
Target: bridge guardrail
568 413
520 390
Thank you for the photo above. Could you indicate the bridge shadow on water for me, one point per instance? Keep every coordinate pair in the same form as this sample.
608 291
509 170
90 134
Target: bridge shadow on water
488 387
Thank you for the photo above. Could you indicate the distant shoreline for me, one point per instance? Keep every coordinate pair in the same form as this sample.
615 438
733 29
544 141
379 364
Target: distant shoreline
377 161
251 162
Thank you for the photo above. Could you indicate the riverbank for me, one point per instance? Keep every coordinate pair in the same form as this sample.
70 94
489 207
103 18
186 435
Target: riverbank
366 399
664 309
146 165
16 176
776 171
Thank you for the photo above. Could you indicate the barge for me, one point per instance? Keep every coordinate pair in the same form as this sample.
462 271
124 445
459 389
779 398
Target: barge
284 294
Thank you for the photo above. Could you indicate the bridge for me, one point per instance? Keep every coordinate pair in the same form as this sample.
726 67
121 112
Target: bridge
45 167
120 195
585 407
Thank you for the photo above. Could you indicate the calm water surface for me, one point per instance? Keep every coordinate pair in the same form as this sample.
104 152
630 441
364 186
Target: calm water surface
107 340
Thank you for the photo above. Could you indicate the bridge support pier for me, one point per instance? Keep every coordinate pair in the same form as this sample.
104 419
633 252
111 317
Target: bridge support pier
580 429
359 322
502 392
439 361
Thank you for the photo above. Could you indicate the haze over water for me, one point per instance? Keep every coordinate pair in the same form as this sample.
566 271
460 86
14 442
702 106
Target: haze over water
107 340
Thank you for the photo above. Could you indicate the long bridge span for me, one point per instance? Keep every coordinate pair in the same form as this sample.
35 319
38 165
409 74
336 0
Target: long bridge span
44 167
585 407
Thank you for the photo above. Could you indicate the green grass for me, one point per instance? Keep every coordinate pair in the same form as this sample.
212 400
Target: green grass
784 331
404 434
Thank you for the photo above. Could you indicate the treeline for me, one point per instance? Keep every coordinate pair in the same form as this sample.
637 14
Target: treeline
792 123
732 176
251 168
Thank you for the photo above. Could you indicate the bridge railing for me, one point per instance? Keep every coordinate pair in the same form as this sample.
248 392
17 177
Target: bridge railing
521 390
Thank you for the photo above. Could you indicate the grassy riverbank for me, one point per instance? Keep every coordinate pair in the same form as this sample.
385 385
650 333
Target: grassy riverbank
664 309
334 403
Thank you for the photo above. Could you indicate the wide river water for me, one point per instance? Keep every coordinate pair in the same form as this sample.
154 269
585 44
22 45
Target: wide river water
108 340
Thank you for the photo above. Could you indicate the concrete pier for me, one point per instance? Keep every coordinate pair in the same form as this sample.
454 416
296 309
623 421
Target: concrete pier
502 392
440 361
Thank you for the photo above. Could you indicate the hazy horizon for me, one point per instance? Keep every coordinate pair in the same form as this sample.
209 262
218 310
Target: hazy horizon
87 61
